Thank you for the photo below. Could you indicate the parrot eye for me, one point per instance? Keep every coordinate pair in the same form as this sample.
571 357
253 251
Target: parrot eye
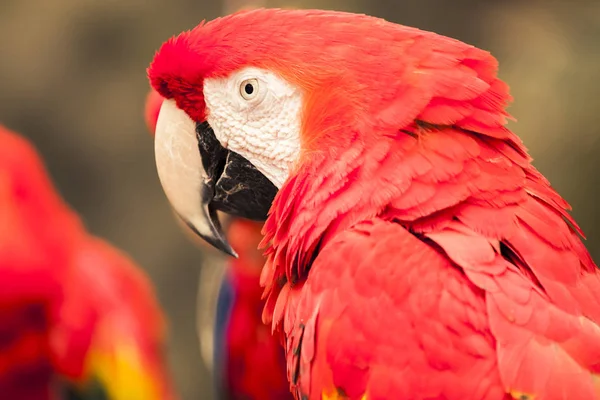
249 88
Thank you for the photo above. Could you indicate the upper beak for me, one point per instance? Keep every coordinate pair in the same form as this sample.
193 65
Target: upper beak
186 182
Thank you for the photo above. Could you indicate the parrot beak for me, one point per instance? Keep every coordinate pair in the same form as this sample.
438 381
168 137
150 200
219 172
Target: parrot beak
200 177
186 183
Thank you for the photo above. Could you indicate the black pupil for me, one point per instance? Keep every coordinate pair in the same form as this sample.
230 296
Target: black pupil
249 89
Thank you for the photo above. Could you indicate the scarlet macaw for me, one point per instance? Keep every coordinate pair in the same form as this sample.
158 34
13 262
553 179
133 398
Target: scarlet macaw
414 251
247 360
78 319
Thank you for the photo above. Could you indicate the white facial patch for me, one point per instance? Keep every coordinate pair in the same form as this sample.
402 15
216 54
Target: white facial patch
257 114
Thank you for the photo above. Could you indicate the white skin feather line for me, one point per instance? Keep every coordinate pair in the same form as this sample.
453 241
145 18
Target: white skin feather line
257 114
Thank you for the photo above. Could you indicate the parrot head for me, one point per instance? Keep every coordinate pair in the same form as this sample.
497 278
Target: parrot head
252 98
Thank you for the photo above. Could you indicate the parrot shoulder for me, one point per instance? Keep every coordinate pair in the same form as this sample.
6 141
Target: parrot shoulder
380 310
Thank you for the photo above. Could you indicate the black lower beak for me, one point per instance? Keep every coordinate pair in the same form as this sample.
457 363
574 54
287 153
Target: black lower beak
233 185
212 232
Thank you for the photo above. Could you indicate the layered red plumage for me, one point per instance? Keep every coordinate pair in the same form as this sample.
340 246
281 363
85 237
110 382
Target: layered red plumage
414 251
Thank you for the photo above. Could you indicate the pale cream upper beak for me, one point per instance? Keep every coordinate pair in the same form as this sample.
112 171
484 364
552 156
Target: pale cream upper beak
182 174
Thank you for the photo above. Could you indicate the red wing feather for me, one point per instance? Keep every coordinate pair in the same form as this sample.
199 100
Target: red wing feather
394 319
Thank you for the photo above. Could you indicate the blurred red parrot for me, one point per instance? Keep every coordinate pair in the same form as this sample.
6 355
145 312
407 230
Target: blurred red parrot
78 320
247 359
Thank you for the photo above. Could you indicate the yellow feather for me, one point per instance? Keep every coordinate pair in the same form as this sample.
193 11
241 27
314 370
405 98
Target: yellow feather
522 396
122 374
334 395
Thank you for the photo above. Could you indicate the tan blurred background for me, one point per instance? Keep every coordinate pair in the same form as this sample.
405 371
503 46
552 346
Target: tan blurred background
72 78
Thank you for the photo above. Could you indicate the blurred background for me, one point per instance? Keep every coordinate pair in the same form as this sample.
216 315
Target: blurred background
72 79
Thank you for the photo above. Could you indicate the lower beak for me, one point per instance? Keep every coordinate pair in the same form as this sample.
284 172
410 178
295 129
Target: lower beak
207 224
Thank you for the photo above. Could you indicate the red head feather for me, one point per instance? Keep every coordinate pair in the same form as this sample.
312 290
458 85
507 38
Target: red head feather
336 59
151 110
